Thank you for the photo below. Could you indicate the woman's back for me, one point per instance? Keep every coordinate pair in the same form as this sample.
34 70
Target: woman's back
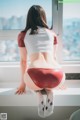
40 48
43 60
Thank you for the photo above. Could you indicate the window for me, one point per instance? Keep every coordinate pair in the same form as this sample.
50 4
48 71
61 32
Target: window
12 20
9 51
8 35
71 31
68 29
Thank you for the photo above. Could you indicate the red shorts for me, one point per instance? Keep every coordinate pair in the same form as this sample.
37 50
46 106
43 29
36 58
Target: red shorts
45 77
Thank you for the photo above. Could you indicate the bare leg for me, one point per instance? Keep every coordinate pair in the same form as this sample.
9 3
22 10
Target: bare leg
30 83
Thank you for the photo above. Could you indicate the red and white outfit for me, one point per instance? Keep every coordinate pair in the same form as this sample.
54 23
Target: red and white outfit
41 42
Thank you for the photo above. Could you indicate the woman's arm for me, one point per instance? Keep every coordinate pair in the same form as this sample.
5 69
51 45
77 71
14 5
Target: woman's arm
23 67
62 87
23 61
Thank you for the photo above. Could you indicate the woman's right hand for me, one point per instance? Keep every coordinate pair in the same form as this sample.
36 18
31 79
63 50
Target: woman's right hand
21 89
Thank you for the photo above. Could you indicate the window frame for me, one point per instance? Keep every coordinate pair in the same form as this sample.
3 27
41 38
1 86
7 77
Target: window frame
68 66
60 30
57 11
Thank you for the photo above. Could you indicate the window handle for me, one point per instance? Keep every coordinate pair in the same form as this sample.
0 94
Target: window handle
57 4
57 34
59 1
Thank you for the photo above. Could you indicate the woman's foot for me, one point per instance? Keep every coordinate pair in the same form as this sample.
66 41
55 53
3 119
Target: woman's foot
49 103
63 87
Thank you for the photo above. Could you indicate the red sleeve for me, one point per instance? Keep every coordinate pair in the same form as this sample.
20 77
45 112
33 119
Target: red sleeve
21 39
55 40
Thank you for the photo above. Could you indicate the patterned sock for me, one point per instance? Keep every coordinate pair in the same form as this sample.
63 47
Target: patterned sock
41 104
49 103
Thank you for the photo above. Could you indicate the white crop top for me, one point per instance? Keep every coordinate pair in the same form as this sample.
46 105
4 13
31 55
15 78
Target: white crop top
41 42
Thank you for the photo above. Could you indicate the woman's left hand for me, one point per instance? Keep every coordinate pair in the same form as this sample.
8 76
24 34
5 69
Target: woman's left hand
21 89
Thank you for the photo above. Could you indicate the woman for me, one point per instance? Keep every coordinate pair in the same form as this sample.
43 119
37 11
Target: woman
43 72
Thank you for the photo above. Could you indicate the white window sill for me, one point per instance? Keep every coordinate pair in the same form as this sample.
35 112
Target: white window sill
68 97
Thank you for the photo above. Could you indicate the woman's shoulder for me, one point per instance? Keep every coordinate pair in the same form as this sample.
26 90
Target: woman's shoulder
53 32
20 39
54 36
21 35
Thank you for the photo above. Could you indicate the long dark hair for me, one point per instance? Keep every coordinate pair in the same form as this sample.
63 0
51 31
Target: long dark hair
36 17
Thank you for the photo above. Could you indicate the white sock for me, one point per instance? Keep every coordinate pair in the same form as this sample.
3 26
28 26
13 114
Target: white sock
49 103
41 104
50 95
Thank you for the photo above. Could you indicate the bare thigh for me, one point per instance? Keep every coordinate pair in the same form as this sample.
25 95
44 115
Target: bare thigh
29 82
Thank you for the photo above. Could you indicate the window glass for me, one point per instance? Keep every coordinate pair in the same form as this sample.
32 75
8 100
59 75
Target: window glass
9 51
71 31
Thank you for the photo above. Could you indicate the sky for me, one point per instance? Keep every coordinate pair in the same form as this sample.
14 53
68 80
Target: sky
71 10
18 8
